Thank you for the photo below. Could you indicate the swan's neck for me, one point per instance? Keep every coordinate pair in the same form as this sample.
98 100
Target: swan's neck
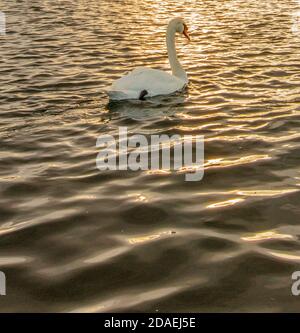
176 67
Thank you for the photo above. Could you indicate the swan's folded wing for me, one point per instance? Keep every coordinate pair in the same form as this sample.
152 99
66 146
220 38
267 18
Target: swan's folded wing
155 82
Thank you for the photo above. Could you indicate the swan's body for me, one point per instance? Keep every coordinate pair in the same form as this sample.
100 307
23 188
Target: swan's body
150 82
154 81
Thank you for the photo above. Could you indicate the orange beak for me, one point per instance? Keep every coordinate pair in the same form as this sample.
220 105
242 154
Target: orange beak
185 32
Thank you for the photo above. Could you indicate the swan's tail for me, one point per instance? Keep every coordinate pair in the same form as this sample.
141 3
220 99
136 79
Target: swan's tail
118 95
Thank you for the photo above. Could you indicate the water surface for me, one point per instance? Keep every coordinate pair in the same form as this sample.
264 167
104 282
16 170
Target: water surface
73 238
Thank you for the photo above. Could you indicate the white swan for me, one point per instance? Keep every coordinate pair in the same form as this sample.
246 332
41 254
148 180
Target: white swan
147 82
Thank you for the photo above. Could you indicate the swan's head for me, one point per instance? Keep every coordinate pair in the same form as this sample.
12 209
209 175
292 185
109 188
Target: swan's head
180 26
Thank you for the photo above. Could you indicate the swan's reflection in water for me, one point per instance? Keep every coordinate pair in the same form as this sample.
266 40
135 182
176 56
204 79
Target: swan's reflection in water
158 107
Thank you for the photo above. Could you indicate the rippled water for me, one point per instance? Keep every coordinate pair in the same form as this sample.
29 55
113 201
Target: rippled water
73 238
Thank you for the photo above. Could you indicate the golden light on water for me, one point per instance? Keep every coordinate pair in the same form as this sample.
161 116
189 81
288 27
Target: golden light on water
222 163
285 256
148 238
267 235
226 203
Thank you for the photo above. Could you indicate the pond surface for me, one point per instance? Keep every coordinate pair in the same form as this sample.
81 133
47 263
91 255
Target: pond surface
73 238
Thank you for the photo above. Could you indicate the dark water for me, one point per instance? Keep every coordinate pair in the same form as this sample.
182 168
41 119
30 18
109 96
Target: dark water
73 238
